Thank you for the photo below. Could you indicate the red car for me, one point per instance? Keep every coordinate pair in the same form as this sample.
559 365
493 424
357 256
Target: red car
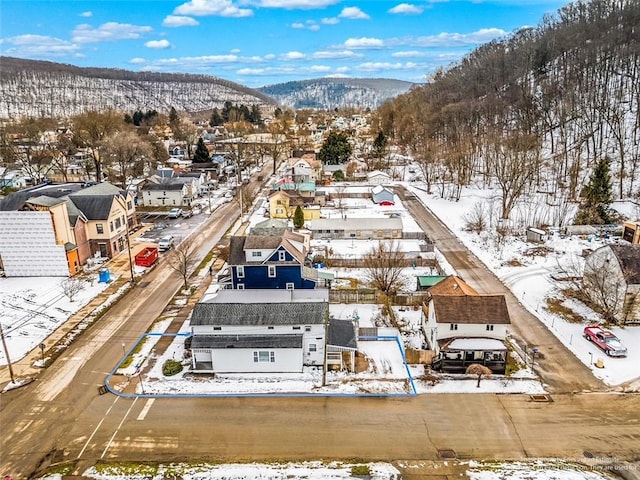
606 340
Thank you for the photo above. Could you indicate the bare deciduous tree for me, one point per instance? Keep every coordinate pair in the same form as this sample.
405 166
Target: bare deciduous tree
181 259
127 152
480 371
71 287
384 265
605 286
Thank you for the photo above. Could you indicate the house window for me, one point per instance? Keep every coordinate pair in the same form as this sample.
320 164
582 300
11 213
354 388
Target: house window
129 205
256 254
281 256
279 211
217 328
291 286
453 326
307 328
296 327
313 347
489 328
100 228
272 271
118 224
240 286
240 271
111 226
264 356
270 327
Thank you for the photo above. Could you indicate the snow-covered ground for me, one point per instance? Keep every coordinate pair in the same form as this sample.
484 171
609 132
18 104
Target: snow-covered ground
32 308
525 470
529 276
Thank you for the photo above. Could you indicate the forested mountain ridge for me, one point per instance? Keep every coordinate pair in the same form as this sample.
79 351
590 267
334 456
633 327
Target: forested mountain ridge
330 93
536 111
38 88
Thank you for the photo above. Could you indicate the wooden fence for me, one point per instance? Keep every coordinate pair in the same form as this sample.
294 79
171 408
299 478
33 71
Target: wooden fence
369 295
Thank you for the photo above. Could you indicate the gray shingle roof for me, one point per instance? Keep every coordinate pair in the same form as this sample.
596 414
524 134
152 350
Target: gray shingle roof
246 341
163 186
302 313
342 333
629 259
94 207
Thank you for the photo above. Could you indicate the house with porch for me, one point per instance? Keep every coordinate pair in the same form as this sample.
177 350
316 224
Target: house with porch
53 229
269 261
356 228
267 331
466 329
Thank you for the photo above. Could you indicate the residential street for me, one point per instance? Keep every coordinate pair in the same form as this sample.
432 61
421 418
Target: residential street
62 417
559 369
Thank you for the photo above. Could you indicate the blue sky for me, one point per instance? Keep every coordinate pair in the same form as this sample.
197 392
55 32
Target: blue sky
261 42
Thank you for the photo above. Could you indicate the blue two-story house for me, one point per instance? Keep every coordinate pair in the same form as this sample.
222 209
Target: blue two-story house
271 262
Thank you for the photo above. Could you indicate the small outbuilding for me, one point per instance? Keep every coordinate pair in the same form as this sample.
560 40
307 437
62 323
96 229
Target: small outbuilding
382 196
536 235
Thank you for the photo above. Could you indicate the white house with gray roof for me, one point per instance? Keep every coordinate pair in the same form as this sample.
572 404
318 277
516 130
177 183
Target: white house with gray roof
267 331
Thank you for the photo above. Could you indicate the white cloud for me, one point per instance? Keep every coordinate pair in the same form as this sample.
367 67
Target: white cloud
293 4
235 50
179 21
330 21
314 27
221 8
363 42
353 13
446 39
86 14
407 54
374 66
319 68
137 61
293 55
337 75
269 56
158 44
406 9
297 25
204 59
342 69
251 71
38 45
109 31
335 54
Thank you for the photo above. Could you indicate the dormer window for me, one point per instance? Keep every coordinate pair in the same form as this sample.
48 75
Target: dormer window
281 256
256 254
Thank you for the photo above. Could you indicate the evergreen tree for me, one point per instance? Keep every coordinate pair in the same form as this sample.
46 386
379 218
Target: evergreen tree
379 146
216 118
202 154
338 176
597 196
336 149
298 217
173 116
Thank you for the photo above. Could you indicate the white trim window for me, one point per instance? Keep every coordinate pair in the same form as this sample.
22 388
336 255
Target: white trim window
263 356
290 286
240 271
240 286
281 256
272 271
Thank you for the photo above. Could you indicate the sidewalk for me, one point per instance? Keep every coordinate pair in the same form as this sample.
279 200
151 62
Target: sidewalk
120 272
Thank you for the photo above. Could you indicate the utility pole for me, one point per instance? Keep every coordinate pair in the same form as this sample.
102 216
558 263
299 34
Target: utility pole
326 346
6 354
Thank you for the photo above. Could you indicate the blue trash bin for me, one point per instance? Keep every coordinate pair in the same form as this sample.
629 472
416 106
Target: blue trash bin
104 276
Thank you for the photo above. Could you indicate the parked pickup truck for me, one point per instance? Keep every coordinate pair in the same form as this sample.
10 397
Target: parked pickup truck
606 340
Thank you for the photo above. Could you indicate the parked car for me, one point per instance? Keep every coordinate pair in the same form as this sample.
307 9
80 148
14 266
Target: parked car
606 340
165 243
174 213
187 213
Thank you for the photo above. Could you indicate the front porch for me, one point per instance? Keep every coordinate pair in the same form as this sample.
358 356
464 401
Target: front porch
455 355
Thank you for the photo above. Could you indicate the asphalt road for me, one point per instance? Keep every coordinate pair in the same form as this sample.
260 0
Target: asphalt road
62 417
559 369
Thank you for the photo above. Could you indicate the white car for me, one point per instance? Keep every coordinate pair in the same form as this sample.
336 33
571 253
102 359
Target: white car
174 213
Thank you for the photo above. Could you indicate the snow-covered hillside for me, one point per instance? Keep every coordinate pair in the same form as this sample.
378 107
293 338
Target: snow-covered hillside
29 88
330 93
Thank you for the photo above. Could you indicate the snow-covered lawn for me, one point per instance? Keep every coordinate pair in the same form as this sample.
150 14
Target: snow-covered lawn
529 276
524 470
